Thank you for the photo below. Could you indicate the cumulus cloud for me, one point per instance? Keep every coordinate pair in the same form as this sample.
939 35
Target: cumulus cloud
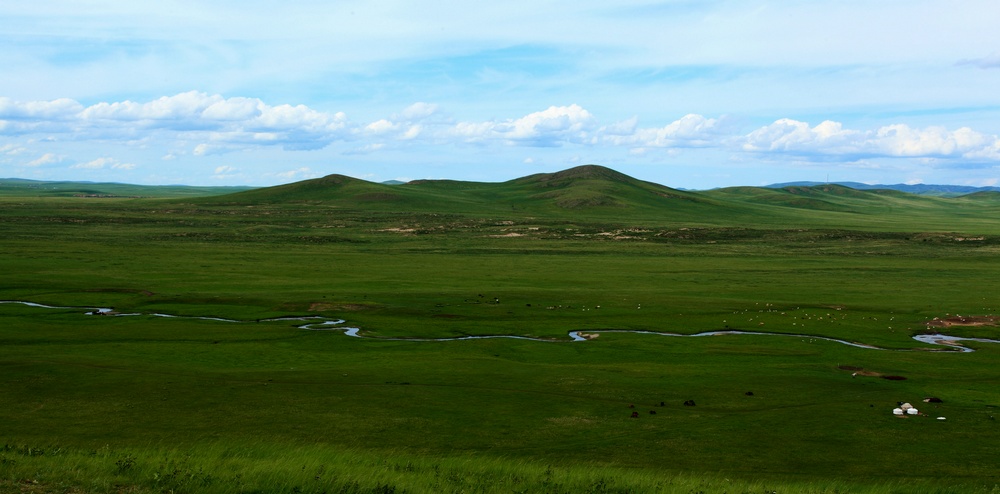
554 126
831 139
243 121
38 110
208 125
691 130
403 126
787 135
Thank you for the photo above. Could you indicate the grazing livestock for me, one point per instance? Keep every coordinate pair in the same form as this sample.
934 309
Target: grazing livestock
689 403
635 415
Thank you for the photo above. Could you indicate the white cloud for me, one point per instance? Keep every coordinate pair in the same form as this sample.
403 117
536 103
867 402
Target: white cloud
92 165
209 125
557 123
419 111
689 131
787 135
202 150
298 173
404 126
623 128
380 126
831 139
554 126
45 159
239 120
12 149
101 163
38 110
412 132
225 172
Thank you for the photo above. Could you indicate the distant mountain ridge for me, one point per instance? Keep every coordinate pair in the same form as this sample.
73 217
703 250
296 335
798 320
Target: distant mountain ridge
921 189
65 188
589 191
587 171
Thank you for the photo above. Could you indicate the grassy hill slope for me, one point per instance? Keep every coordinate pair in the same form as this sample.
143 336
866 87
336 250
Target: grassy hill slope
599 193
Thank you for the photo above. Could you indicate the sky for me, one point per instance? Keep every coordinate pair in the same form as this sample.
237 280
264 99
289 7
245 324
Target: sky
692 94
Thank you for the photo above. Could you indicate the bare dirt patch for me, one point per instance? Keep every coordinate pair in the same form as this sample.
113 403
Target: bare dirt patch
859 371
327 307
868 373
957 320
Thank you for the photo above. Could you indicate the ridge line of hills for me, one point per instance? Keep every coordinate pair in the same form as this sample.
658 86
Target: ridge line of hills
919 189
595 193
80 188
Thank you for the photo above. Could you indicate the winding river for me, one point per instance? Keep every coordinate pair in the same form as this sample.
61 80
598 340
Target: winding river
948 343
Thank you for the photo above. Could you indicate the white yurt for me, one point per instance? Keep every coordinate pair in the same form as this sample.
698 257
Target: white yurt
897 411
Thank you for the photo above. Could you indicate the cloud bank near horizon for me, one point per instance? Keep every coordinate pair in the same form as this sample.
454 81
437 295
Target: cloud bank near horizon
199 124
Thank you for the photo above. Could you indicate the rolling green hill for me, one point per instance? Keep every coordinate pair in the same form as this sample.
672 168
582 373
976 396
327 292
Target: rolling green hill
601 193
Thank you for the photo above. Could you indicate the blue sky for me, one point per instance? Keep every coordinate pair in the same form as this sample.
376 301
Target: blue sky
692 94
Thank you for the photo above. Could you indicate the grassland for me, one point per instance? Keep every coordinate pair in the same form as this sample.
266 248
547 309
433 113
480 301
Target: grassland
152 404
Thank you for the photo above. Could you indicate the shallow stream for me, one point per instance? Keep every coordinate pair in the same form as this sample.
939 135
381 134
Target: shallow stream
949 343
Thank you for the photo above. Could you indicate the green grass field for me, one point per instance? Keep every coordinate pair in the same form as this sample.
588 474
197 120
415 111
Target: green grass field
154 404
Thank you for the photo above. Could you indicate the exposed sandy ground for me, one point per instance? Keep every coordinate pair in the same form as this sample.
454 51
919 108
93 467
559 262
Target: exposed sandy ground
963 321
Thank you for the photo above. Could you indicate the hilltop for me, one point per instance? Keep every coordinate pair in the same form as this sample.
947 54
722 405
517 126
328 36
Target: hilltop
599 193
584 193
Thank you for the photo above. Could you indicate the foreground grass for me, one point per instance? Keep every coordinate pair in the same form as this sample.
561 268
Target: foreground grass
150 404
214 468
